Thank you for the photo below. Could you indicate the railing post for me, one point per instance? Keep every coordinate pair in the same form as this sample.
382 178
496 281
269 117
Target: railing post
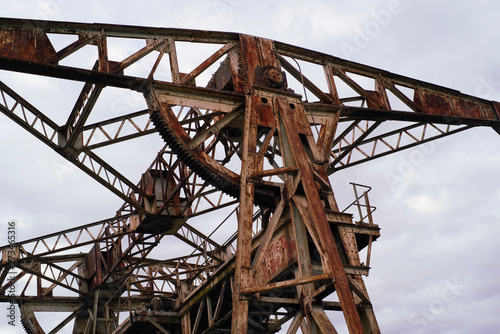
357 202
368 208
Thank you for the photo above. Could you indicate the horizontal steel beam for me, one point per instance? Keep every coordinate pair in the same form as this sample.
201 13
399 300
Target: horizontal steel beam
115 30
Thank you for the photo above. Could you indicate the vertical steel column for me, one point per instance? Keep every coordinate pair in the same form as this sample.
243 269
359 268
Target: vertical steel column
288 111
299 227
244 242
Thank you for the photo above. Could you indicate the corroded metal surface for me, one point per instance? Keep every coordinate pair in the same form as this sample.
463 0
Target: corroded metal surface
242 142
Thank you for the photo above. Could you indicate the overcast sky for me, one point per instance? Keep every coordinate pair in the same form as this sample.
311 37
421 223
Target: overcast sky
436 267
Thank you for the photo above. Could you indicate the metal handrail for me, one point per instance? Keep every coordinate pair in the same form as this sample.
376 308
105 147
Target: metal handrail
360 206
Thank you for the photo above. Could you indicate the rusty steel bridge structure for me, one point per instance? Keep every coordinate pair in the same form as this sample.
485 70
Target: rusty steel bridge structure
243 152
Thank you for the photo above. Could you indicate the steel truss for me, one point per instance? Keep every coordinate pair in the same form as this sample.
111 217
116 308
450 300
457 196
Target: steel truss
245 145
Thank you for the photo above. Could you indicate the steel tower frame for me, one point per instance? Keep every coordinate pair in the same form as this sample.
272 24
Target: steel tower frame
244 142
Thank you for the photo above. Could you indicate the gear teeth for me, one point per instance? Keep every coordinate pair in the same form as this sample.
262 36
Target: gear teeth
26 328
261 198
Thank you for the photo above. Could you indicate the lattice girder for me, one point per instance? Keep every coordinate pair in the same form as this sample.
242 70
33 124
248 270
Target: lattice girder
246 137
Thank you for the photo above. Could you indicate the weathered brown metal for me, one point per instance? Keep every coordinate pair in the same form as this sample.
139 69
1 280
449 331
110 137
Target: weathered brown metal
32 45
246 116
286 110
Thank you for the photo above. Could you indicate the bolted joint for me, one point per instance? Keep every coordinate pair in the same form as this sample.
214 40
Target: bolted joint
274 77
270 76
306 305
